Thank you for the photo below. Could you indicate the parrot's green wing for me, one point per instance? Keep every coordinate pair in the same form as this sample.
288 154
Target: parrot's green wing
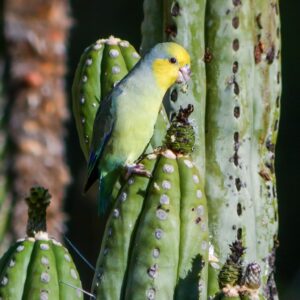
102 129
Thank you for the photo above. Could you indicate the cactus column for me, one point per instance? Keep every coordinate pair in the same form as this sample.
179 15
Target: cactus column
243 85
182 22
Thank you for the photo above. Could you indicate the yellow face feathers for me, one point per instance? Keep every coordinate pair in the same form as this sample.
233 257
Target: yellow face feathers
167 69
180 54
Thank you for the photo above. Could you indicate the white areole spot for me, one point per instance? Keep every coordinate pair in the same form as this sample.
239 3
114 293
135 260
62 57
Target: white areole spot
73 273
199 194
168 168
195 178
89 61
151 156
116 213
169 154
124 44
164 199
12 263
123 196
188 163
200 210
130 181
97 46
45 261
67 257
44 295
4 281
114 53
20 248
161 214
158 233
166 185
45 277
204 245
115 69
135 55
44 246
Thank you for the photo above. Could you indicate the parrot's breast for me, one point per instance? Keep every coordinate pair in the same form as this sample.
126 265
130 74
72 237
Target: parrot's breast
136 114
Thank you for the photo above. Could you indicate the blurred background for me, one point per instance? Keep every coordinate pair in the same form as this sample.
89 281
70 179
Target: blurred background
90 20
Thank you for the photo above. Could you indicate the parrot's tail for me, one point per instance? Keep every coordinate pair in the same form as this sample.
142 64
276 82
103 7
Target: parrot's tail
107 183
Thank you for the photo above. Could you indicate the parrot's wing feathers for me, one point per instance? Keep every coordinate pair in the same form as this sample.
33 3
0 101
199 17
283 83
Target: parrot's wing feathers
103 126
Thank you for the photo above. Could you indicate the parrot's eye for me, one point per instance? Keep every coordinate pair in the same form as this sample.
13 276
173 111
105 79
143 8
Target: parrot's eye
173 60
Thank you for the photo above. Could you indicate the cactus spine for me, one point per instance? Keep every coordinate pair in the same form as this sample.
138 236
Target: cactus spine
38 267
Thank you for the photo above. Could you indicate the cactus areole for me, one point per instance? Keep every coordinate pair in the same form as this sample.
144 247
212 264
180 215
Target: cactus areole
38 267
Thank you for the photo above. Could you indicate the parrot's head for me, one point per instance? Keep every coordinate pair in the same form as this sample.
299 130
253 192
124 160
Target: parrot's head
170 64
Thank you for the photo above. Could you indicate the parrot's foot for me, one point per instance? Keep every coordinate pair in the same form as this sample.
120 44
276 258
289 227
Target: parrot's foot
138 169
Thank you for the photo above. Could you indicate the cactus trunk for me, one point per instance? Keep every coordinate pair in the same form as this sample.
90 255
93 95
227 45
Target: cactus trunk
241 115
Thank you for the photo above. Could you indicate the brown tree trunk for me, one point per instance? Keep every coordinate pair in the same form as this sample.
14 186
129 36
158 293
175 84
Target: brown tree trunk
36 32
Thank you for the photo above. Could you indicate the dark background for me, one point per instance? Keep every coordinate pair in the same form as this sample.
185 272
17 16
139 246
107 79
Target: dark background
95 19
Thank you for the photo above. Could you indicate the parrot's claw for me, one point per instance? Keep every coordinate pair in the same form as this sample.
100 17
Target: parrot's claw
138 169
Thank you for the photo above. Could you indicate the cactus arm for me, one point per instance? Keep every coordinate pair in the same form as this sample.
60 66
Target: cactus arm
230 77
18 257
153 263
265 127
87 94
193 234
66 272
114 253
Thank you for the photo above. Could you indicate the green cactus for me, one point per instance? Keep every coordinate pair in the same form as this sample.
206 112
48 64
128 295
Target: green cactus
231 152
243 85
101 67
156 240
38 267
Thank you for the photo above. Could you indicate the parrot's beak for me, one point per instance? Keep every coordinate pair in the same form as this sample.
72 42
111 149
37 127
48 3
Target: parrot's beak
184 74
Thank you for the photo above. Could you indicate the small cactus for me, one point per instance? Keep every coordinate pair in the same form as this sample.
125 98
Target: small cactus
38 267
156 239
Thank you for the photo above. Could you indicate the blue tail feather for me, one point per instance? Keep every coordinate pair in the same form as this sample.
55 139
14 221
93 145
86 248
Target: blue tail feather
106 185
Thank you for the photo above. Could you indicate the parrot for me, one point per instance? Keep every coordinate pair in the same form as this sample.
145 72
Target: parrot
125 119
